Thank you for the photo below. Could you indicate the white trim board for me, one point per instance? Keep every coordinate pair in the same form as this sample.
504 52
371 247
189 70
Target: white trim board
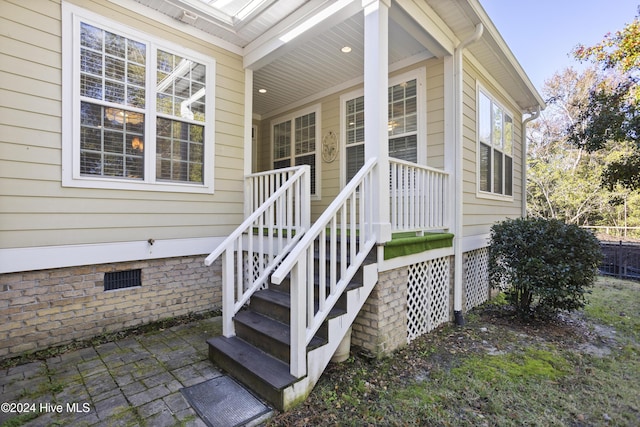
39 258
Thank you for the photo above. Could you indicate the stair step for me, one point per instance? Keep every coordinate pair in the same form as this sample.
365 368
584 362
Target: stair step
277 305
262 373
268 334
285 286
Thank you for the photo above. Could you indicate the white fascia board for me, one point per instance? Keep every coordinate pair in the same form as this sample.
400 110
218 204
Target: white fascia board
14 260
478 241
405 261
444 40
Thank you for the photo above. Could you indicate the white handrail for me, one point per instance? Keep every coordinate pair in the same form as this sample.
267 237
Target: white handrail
252 250
418 197
348 216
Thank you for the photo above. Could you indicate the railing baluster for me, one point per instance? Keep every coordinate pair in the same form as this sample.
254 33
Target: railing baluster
418 197
333 256
228 297
238 271
298 355
322 269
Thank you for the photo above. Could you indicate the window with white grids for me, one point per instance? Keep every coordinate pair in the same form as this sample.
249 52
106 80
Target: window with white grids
403 125
142 109
294 141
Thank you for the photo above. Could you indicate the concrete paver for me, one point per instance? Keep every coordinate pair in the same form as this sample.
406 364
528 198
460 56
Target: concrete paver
131 382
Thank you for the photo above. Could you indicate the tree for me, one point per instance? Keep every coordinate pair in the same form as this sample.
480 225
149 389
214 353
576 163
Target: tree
564 179
611 114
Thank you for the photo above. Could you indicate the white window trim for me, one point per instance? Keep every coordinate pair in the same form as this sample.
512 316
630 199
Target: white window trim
316 108
71 17
481 194
421 91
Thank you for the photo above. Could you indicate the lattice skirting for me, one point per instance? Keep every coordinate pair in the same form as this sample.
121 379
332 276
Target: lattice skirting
476 277
253 270
427 296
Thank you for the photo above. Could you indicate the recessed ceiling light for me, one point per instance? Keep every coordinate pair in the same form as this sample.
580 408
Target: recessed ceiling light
346 49
262 90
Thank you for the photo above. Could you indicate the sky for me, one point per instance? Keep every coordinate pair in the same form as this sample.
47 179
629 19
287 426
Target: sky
542 33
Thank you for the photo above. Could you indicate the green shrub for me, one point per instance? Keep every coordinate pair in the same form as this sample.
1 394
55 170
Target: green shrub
543 265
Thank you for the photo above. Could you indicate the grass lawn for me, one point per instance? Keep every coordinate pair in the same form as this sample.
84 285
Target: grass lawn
580 369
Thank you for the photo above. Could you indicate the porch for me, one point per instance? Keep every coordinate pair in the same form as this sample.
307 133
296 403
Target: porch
292 288
331 194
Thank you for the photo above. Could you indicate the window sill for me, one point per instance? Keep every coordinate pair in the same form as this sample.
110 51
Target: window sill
114 184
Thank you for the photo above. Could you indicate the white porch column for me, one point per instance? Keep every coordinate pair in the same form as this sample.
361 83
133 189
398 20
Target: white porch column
248 148
376 116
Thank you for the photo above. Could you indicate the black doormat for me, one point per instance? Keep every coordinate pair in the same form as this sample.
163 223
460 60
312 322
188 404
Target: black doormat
222 402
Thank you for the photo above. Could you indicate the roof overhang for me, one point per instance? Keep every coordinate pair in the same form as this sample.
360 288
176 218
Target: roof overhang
294 46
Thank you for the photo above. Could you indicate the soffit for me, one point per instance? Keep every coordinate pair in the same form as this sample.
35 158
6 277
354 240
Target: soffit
316 65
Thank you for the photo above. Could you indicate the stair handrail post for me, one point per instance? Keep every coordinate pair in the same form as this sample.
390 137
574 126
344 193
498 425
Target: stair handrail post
228 289
298 362
305 199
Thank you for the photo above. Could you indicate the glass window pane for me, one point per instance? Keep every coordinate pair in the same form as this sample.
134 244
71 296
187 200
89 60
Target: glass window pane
115 45
111 67
91 62
403 120
497 126
508 176
485 167
311 161
181 86
106 135
91 37
404 148
180 151
355 160
484 119
497 172
508 134
282 140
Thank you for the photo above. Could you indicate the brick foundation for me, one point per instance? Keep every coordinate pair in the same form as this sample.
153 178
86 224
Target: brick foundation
40 309
381 326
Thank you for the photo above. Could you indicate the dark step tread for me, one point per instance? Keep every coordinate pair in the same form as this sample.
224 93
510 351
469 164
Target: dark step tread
269 369
283 299
272 328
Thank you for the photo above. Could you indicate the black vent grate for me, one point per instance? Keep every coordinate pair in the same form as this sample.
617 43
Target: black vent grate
122 279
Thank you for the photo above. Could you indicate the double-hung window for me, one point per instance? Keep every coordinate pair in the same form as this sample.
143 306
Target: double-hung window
295 140
495 147
142 109
402 126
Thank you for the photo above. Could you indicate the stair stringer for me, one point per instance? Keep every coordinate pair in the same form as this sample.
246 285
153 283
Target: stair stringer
319 358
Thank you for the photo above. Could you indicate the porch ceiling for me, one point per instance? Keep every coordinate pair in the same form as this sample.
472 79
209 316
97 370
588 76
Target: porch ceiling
312 65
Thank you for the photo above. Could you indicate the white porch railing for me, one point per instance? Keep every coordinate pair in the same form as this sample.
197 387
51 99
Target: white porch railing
255 248
418 197
260 186
348 216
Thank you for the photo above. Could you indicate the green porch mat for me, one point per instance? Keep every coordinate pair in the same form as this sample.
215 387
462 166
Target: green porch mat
403 244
